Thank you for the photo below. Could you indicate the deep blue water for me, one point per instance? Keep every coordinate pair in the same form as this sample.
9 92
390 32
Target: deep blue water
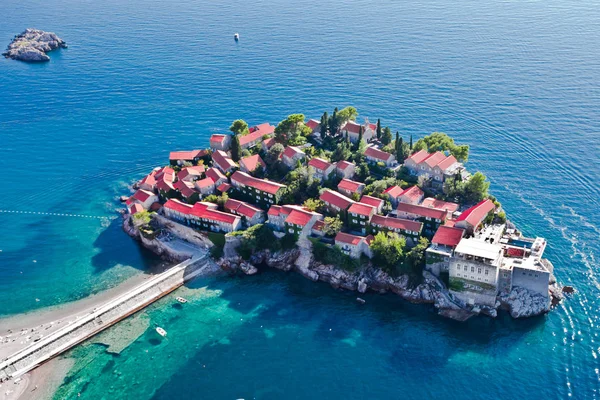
516 80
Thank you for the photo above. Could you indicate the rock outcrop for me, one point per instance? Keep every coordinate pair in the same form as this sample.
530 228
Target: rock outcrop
522 303
32 46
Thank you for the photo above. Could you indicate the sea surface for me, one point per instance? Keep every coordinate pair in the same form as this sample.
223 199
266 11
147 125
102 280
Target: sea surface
519 81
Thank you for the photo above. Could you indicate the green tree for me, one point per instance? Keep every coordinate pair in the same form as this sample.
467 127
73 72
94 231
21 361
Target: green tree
439 141
273 154
476 188
386 136
239 127
410 146
415 258
360 138
388 250
333 122
332 225
346 114
313 204
341 152
378 128
292 130
323 126
236 148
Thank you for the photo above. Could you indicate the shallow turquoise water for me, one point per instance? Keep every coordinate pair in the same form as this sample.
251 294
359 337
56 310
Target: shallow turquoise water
518 81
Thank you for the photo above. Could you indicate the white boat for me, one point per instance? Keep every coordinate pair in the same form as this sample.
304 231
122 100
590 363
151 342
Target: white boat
236 36
161 331
181 300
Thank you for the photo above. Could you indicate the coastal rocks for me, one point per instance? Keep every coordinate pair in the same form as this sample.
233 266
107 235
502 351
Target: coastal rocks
32 46
522 303
248 268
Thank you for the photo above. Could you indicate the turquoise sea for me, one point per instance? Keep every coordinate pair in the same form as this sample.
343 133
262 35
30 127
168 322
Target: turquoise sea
519 81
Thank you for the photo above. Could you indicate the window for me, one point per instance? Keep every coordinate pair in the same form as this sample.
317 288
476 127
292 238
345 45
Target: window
479 270
472 269
465 267
486 271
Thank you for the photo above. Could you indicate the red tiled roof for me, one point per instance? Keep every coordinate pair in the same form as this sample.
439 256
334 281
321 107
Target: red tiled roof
349 185
215 174
167 173
252 162
439 204
319 163
336 199
274 210
348 238
135 208
223 187
218 138
149 179
342 165
394 191
372 201
434 159
372 152
241 207
413 193
362 209
268 143
313 123
477 213
223 160
142 195
204 183
448 162
352 127
200 210
422 211
164 185
298 217
194 171
419 156
256 133
261 184
291 151
184 189
187 155
318 225
397 223
448 236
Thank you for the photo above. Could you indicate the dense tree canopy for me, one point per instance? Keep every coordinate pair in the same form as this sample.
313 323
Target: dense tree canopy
292 130
388 249
239 127
439 141
470 191
332 225
346 114
236 148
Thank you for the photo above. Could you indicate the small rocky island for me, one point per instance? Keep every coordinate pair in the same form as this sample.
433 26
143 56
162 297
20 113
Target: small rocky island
32 45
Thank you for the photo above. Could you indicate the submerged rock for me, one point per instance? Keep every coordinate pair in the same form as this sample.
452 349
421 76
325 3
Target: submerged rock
32 45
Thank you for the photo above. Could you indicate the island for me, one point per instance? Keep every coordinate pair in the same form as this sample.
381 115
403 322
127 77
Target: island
351 204
32 45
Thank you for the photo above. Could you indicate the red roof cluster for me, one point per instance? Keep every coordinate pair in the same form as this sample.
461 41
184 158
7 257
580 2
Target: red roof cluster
438 159
397 223
142 195
183 188
336 199
394 191
251 163
319 163
261 184
191 171
422 211
442 205
413 193
205 183
362 209
343 165
349 185
223 161
256 133
448 236
215 175
187 155
298 217
372 201
348 238
377 154
241 207
201 210
292 151
477 213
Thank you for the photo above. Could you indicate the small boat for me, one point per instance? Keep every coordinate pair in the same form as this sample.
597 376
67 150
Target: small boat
161 331
181 300
361 301
236 36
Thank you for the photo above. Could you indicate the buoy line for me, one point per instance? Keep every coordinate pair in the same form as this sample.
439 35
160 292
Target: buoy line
52 214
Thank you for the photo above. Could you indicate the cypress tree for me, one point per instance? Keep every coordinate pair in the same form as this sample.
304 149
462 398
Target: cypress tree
386 136
333 123
236 149
410 145
324 123
399 149
347 139
360 138
378 128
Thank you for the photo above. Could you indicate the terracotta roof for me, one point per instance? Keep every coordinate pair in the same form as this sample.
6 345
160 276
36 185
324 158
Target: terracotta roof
372 152
252 162
187 155
446 163
352 127
164 185
165 173
362 209
204 183
268 143
142 195
413 193
372 201
422 211
419 156
318 225
448 236
348 238
434 159
193 171
241 207
298 217
149 179
135 208
274 210
184 189
336 199
477 213
261 184
256 133
439 204
342 165
394 191
349 185
223 187
218 138
292 151
319 163
313 123
397 223
215 174
223 160
201 210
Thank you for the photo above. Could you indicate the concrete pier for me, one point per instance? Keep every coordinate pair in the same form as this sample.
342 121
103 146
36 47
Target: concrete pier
100 318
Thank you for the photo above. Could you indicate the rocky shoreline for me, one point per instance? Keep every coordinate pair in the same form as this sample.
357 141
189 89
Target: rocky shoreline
32 45
520 303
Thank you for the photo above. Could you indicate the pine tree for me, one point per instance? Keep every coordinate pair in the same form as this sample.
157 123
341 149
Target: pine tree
410 144
386 136
360 138
236 148
399 148
324 124
378 128
347 139
333 123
